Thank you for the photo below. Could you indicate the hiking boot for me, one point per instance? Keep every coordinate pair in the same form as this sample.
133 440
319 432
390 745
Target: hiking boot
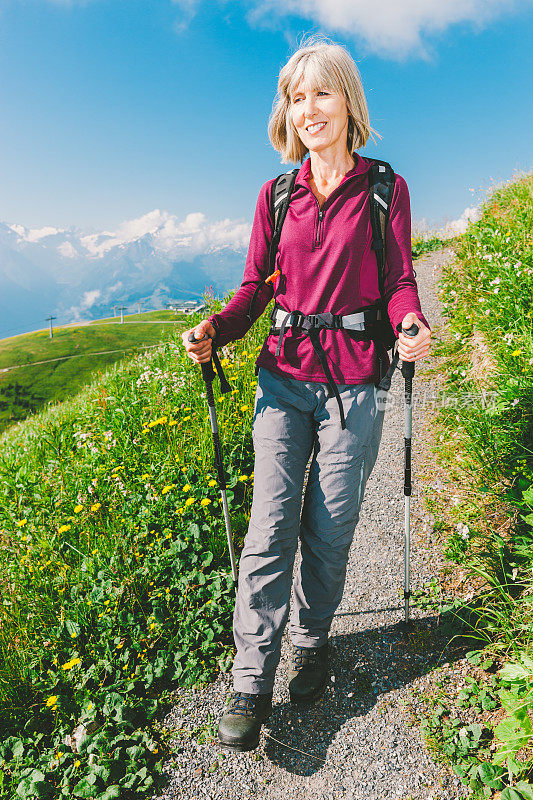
239 727
308 676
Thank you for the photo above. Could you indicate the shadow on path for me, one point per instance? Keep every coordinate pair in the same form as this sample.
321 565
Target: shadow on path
363 666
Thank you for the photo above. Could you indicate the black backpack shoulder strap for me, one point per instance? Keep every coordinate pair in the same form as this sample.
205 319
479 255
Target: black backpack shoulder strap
280 199
381 180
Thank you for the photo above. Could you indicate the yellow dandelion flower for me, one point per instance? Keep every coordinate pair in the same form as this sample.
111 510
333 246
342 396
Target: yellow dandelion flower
96 506
77 509
152 625
212 483
21 523
73 635
167 489
516 353
77 763
243 477
89 706
184 469
146 476
187 487
152 423
64 528
189 501
186 418
52 700
205 501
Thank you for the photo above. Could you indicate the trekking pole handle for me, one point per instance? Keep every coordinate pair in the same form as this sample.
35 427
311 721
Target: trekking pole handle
412 331
408 367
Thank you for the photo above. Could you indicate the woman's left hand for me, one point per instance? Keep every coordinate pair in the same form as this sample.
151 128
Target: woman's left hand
412 348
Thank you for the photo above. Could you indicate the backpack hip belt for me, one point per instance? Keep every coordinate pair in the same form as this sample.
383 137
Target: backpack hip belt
311 325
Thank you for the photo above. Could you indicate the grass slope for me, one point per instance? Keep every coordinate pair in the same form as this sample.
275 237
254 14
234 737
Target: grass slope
483 441
27 389
114 571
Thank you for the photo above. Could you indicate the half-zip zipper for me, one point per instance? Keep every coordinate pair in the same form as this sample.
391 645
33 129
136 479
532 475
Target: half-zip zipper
319 231
318 234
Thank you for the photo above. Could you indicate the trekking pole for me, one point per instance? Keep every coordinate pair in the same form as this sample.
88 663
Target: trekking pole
408 371
208 376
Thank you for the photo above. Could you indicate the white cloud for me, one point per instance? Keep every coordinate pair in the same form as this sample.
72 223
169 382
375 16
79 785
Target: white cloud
391 28
457 226
165 232
90 298
67 250
188 10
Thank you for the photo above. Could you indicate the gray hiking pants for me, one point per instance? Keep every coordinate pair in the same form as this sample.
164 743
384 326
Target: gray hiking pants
292 418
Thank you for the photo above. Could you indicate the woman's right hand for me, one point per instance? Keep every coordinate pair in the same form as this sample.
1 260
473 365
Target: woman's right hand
199 351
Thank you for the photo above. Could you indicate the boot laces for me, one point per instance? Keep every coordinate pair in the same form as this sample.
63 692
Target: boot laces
243 704
304 656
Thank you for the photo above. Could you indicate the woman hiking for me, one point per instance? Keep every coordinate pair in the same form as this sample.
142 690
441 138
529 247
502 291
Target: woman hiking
326 264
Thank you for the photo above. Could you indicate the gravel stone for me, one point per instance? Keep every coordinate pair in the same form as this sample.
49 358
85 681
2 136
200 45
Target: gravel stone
358 742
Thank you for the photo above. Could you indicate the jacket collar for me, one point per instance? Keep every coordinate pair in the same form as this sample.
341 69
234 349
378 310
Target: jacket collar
360 168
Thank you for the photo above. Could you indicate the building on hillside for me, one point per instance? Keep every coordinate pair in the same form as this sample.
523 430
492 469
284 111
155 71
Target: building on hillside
186 306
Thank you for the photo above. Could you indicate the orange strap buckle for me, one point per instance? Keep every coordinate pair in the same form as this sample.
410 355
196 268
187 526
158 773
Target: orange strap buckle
273 277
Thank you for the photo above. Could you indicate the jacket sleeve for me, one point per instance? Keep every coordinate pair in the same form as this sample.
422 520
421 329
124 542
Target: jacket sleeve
232 322
400 289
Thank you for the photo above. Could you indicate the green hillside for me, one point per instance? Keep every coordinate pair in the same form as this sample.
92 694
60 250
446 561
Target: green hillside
114 572
36 370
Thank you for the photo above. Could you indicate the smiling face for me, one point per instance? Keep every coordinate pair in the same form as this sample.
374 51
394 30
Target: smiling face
320 117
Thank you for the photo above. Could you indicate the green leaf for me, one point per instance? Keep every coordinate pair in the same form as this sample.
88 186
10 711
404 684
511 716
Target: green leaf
41 789
525 789
514 672
110 793
86 787
509 794
489 775
528 495
73 628
34 785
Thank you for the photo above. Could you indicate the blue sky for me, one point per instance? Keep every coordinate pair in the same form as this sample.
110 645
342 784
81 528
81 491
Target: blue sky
112 108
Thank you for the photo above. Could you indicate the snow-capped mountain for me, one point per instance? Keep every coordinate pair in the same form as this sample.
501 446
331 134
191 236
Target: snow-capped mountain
76 275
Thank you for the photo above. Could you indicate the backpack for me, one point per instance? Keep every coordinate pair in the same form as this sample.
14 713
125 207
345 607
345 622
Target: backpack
376 326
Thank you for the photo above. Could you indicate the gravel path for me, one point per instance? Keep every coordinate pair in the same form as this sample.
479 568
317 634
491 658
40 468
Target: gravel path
357 741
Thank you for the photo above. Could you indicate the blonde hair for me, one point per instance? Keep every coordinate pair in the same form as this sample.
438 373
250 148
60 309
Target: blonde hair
321 64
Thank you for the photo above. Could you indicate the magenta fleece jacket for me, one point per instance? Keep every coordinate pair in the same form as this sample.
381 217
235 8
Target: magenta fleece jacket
327 264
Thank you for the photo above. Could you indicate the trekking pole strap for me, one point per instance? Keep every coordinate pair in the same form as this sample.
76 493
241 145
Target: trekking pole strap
224 383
